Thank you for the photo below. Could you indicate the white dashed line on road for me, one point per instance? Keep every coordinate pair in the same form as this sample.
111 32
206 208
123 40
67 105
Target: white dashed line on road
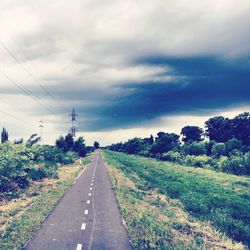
90 188
88 201
86 211
89 194
79 247
91 184
83 227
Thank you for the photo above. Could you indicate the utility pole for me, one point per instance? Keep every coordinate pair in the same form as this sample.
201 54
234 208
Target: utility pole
41 126
73 128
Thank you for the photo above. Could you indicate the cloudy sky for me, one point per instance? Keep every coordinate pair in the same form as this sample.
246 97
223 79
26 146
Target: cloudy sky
130 68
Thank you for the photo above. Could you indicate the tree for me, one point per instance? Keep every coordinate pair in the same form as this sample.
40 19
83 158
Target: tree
96 145
69 142
34 138
241 127
219 129
218 149
79 147
4 136
191 134
60 143
195 148
165 142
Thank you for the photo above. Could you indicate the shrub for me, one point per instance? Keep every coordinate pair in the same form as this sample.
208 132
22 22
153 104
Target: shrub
232 144
172 156
195 148
14 160
218 149
196 161
70 157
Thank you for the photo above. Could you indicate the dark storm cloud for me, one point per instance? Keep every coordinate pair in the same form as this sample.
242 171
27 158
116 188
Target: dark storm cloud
206 84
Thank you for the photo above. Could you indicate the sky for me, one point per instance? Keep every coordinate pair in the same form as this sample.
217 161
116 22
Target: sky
130 68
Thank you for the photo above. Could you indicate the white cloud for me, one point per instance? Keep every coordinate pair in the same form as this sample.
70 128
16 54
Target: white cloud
92 44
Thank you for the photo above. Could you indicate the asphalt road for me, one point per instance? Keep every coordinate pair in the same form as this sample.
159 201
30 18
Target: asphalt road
87 217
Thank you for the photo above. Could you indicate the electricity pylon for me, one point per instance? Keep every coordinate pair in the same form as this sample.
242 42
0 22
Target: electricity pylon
73 128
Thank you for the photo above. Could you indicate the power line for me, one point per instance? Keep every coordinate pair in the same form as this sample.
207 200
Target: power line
25 90
13 116
36 81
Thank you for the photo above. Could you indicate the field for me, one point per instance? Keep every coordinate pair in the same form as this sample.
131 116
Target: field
169 206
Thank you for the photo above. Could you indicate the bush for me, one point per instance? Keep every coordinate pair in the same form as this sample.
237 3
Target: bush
14 160
70 157
196 161
172 156
194 148
218 149
232 145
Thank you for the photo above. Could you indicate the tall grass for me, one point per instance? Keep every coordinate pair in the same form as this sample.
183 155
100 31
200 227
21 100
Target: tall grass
223 200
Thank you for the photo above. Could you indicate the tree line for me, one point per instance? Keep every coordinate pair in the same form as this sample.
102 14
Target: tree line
224 145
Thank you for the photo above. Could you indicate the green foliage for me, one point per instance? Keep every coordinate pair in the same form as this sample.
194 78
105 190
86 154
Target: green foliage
79 147
191 134
218 149
194 148
202 192
20 163
96 145
67 144
233 145
196 161
237 164
219 129
14 162
70 157
172 156
165 142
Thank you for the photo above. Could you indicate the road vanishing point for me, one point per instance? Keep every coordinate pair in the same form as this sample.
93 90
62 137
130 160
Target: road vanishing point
87 217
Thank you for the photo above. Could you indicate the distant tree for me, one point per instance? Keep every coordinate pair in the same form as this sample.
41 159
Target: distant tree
165 142
116 147
149 140
60 143
194 148
219 129
218 149
69 142
19 141
96 145
79 147
233 144
241 127
191 134
133 146
34 138
4 135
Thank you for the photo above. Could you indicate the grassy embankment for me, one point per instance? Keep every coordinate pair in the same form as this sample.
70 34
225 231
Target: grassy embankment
22 216
168 206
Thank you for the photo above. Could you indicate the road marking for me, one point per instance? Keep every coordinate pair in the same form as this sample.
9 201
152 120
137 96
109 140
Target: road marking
94 211
91 184
83 227
86 211
88 201
79 247
90 188
89 194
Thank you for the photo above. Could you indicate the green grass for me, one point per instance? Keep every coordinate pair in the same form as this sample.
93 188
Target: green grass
222 199
19 231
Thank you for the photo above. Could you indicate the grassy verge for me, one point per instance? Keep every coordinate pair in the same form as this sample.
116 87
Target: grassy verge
186 197
22 216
